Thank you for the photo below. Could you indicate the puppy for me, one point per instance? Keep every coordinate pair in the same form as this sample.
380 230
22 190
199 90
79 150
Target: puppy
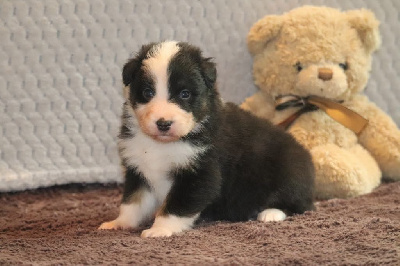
188 156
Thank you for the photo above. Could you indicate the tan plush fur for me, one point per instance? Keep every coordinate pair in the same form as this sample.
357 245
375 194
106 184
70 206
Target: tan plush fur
318 38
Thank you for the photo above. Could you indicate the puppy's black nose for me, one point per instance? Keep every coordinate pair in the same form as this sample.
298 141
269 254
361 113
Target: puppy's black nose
163 125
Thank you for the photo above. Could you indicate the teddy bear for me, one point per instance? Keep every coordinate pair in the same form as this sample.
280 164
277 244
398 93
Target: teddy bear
311 66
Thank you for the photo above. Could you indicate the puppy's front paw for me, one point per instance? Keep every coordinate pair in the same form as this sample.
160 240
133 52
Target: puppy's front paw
157 232
114 225
168 225
109 225
271 215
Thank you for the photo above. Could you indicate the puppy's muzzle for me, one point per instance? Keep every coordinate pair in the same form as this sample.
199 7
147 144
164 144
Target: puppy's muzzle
163 125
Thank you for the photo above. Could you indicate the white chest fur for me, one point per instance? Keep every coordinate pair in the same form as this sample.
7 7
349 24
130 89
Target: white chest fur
155 160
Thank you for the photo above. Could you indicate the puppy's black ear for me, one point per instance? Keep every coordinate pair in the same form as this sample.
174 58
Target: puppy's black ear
209 72
129 71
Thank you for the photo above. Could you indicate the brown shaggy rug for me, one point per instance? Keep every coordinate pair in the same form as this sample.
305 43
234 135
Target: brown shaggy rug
58 226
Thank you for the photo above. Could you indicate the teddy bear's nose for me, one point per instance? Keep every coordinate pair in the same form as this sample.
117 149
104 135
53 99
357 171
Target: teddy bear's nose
325 73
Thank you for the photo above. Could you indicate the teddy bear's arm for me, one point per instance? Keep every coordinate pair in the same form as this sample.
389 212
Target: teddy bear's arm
260 104
381 137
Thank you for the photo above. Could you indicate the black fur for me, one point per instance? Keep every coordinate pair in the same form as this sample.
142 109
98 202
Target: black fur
133 182
250 165
262 167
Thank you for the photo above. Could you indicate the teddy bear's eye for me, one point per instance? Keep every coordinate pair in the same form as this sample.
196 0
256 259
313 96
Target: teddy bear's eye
344 66
298 66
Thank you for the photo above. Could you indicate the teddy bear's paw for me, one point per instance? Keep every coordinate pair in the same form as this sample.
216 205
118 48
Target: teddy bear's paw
344 173
271 215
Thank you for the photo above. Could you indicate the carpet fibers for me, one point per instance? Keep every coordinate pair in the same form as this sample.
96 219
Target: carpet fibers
58 226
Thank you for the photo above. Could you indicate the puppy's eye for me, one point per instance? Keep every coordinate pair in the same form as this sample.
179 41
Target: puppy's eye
148 93
298 67
184 94
344 66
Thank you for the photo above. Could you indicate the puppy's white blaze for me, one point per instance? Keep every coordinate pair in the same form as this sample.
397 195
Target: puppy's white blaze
168 225
155 159
157 64
271 215
131 215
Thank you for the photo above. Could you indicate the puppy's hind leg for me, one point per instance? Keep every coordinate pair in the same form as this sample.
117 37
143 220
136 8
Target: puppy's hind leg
271 215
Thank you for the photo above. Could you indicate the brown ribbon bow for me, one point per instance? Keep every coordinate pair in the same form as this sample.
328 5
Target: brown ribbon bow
335 110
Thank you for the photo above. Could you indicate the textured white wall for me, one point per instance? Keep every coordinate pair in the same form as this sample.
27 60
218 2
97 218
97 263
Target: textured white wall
60 68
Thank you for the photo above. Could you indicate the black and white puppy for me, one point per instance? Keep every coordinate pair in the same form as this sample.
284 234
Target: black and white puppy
189 156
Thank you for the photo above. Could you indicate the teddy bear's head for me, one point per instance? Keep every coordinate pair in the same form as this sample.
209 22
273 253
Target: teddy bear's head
314 51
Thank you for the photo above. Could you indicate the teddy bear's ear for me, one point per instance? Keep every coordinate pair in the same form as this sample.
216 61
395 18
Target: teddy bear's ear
262 32
367 26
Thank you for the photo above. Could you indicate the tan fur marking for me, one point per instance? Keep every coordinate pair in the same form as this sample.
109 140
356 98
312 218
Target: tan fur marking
137 196
183 122
161 210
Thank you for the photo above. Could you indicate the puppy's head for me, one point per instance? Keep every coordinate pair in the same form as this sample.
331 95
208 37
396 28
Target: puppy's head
171 89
